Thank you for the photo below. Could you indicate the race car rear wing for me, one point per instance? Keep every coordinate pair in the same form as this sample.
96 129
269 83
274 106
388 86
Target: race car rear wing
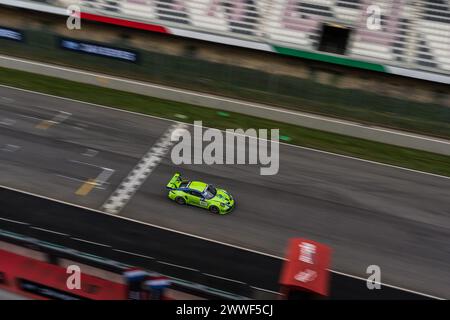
175 181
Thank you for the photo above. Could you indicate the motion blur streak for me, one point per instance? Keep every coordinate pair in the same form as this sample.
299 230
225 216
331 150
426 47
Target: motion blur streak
369 214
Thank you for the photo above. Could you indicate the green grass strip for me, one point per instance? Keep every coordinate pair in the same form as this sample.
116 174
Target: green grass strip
360 148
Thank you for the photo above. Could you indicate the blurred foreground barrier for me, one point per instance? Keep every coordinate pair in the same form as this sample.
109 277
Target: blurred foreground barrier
378 134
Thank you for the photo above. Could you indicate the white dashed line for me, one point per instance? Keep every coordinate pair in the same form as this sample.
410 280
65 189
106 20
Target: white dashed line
141 171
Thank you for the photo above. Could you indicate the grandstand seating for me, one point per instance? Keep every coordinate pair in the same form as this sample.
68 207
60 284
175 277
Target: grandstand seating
413 34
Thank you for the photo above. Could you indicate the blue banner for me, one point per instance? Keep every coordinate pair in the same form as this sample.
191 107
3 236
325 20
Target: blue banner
11 34
98 50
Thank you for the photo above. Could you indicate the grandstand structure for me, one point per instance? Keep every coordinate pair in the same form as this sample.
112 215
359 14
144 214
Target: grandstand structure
395 36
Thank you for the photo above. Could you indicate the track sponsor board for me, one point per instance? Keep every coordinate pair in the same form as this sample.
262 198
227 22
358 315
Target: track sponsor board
98 50
11 34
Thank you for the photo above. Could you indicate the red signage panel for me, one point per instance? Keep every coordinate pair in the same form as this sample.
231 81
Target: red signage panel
306 267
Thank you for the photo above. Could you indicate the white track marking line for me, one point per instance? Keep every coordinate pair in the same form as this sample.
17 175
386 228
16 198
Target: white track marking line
89 184
91 242
104 176
11 148
134 254
202 238
61 116
266 290
80 180
90 153
87 164
190 124
15 221
387 285
177 265
7 122
223 278
57 119
128 187
30 117
50 231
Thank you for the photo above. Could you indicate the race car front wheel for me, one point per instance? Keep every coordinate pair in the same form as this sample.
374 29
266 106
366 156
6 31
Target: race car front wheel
180 200
214 209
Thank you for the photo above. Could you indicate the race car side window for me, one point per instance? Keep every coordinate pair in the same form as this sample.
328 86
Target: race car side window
195 193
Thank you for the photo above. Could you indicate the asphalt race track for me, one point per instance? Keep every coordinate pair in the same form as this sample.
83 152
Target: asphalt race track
212 264
368 213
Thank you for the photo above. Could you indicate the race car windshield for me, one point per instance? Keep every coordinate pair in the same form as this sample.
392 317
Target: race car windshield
210 192
184 184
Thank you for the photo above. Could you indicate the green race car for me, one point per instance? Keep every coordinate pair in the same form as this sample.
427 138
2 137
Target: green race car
199 194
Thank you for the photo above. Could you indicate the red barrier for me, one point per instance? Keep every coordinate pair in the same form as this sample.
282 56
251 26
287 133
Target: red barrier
42 280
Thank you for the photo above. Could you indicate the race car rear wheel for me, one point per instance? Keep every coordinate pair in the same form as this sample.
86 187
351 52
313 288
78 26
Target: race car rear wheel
214 209
180 200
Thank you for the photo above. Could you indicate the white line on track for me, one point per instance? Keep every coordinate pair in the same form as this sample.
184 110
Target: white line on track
128 187
30 117
190 124
15 221
196 270
387 285
50 231
177 265
134 254
223 278
201 238
11 148
90 153
87 164
91 242
98 186
7 122
266 290
60 117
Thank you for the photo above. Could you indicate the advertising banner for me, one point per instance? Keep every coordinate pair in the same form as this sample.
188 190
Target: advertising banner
98 50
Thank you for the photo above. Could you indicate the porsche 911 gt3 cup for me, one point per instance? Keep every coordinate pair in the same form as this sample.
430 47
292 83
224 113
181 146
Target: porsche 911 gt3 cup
200 194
